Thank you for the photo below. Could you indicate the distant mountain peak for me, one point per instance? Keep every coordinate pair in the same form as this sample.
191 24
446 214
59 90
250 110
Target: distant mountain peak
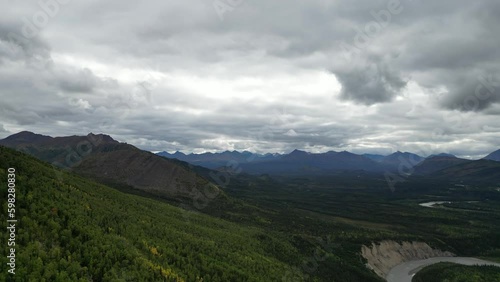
297 151
175 154
404 153
399 153
166 154
374 157
24 137
441 155
101 137
25 134
394 160
495 156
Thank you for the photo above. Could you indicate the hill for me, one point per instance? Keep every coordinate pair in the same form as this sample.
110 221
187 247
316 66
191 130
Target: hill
105 159
398 160
24 138
374 157
495 156
442 155
436 163
73 229
474 172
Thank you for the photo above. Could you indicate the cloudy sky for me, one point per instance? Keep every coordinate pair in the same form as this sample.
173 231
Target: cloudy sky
265 76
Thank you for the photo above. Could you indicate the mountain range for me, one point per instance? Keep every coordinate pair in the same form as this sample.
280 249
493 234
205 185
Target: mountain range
438 166
298 161
309 163
178 175
216 160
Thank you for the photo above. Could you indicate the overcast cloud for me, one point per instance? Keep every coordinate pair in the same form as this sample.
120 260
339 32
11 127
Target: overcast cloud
265 76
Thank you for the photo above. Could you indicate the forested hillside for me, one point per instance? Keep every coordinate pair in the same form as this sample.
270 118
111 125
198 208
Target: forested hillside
72 229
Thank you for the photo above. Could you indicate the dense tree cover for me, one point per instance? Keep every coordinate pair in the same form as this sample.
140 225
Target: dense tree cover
71 229
450 272
360 210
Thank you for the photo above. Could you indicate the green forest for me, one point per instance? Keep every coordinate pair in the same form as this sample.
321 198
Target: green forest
72 229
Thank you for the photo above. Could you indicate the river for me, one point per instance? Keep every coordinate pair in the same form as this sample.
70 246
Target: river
432 204
404 272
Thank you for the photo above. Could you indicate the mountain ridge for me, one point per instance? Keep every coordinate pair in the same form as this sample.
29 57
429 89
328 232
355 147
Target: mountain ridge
494 156
436 163
100 157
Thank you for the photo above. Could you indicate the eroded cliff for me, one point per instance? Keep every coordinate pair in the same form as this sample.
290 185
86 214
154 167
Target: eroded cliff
385 255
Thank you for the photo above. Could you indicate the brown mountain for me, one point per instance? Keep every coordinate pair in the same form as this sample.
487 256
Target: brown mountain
107 160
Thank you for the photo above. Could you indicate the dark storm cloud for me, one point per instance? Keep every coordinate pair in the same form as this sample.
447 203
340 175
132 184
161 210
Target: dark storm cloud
437 44
18 51
16 46
473 93
370 83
